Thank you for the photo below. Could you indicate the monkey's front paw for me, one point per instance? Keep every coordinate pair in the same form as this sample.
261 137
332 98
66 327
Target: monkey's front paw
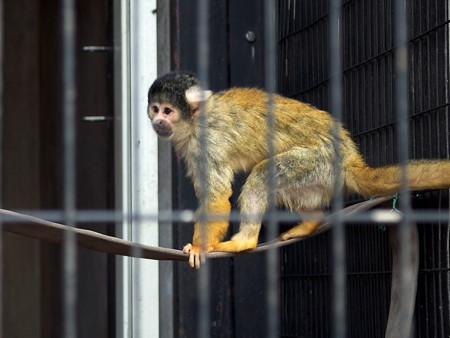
196 257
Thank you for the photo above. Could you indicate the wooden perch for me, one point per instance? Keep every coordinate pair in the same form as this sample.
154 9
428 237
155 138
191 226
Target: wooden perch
400 318
54 232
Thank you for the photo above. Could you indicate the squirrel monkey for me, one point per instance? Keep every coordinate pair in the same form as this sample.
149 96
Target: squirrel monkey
237 141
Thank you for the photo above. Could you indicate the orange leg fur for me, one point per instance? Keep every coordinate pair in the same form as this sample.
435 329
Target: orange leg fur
215 232
237 245
301 230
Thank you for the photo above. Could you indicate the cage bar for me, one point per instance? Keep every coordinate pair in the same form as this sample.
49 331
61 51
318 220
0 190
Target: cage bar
272 255
69 108
339 266
203 286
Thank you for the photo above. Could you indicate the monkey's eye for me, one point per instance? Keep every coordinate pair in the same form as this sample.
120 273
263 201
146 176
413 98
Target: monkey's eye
155 109
167 111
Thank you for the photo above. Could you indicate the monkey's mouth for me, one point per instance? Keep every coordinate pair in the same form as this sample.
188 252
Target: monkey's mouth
162 130
164 133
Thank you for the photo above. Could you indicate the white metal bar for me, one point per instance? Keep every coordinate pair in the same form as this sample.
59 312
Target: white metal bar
123 175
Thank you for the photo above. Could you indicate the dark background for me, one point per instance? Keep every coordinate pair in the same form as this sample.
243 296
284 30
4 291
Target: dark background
32 161
238 286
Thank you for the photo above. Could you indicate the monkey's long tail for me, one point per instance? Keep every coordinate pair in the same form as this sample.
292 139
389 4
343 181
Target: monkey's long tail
422 175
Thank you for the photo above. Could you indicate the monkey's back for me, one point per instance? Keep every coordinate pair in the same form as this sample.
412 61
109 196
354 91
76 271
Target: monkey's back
296 125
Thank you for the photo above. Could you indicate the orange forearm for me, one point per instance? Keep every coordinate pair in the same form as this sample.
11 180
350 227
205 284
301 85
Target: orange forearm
216 229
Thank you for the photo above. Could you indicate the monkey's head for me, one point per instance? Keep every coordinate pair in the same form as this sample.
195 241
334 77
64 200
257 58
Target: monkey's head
174 99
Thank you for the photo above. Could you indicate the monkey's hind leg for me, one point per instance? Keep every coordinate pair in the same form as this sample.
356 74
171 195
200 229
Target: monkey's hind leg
304 228
304 182
305 185
247 237
308 203
252 204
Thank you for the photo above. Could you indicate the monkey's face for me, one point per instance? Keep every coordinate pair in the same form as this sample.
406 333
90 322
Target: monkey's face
163 117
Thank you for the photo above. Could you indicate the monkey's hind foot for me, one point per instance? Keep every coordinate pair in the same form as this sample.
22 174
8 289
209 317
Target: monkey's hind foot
235 245
304 229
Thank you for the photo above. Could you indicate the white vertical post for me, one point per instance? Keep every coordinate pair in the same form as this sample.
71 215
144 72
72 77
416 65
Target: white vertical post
138 279
144 161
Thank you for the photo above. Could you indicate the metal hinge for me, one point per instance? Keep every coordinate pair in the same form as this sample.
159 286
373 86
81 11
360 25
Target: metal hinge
97 49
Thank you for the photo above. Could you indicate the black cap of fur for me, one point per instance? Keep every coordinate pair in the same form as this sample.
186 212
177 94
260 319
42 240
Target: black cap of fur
171 88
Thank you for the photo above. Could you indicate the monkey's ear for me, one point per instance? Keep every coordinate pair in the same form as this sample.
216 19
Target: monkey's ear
195 95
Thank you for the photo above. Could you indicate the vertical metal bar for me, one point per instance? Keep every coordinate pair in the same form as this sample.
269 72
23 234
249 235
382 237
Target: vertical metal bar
1 166
69 96
203 75
165 229
136 217
122 170
339 266
402 146
272 255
